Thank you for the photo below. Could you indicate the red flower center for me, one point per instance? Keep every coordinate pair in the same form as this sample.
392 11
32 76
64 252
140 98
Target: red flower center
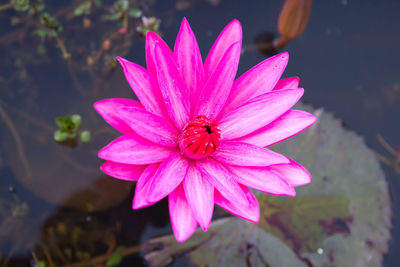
200 138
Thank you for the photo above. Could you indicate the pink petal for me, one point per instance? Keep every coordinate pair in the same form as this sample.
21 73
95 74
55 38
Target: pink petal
222 179
107 109
188 60
152 39
258 112
293 173
200 196
262 179
182 220
134 149
175 97
122 171
150 126
231 34
243 154
143 187
250 212
286 126
257 81
144 86
216 90
169 175
287 83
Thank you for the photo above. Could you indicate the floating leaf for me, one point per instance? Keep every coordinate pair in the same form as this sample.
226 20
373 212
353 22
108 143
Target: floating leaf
60 136
76 120
85 136
115 16
83 9
341 219
114 259
228 242
135 13
41 33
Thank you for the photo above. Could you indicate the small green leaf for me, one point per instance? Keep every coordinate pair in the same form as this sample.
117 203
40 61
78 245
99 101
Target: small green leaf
135 13
85 136
76 120
41 33
60 122
115 16
60 136
121 5
83 9
114 259
53 33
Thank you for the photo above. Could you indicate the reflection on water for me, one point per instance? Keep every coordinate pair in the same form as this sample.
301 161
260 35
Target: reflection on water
55 202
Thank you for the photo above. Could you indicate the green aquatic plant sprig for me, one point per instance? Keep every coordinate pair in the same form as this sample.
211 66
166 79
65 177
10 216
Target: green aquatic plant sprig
70 128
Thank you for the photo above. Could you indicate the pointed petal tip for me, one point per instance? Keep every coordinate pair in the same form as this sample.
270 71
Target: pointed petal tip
138 203
184 21
284 54
300 92
204 224
185 26
313 119
291 193
204 228
98 105
150 36
235 23
254 219
182 238
122 61
102 152
103 168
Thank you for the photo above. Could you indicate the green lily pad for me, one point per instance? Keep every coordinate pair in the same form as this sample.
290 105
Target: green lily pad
343 218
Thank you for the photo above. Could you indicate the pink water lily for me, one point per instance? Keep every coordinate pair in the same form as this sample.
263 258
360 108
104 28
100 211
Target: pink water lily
198 135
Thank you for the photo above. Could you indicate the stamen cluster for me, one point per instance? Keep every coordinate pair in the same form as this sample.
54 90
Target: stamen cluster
200 138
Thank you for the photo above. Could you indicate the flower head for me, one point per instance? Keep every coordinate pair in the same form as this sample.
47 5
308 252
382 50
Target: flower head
198 135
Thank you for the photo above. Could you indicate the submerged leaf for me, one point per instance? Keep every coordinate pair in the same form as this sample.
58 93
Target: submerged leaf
341 219
114 260
228 242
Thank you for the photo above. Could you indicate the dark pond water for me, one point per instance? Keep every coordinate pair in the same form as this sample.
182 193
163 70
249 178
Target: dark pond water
54 199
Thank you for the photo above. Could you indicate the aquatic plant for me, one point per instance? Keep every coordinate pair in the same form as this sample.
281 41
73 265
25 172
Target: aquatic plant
70 128
198 136
293 20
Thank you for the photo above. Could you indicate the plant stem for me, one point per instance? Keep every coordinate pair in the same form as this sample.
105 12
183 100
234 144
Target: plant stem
66 55
281 42
18 141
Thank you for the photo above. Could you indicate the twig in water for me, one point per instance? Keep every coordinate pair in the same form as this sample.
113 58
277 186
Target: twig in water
18 141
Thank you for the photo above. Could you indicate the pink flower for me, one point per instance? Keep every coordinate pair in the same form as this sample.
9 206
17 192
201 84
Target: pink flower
198 136
122 30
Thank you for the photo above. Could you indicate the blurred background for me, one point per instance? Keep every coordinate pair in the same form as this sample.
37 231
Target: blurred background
58 58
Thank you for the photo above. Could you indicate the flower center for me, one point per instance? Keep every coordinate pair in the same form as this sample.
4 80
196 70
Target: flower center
200 138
